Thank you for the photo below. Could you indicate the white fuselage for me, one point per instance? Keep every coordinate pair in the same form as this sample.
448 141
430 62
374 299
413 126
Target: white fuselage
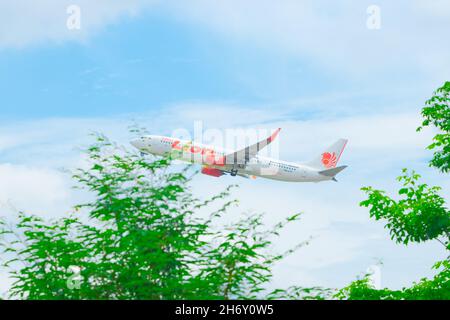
211 156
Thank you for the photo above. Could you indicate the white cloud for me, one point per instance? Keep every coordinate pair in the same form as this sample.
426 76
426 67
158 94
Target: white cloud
27 22
40 191
437 9
5 283
334 34
330 35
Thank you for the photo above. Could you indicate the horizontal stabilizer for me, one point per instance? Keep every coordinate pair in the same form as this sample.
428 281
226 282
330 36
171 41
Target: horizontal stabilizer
332 172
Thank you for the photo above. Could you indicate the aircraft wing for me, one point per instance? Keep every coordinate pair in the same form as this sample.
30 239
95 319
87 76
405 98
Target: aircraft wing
244 155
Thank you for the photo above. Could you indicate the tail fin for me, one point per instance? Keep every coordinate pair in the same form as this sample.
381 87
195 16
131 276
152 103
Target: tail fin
330 157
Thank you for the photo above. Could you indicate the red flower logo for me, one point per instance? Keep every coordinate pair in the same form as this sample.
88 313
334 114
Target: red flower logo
329 159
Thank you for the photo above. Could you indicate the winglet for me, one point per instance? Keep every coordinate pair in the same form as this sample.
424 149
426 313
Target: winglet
273 136
243 156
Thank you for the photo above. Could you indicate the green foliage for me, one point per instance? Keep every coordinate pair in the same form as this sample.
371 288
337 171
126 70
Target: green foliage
240 255
36 246
140 237
302 293
437 288
419 216
437 113
362 289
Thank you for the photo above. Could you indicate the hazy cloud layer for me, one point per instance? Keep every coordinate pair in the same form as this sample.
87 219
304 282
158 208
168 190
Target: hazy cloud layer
333 35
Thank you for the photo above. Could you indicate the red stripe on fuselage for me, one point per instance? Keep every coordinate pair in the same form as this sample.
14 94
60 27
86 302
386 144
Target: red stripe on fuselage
209 154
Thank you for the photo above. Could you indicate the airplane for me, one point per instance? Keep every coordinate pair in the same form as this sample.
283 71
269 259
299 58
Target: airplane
245 162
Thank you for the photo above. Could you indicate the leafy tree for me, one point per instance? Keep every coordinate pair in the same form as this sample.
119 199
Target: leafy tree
437 288
437 113
140 237
239 259
420 215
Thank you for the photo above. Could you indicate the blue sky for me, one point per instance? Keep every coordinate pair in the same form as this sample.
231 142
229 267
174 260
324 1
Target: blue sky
310 67
151 60
143 64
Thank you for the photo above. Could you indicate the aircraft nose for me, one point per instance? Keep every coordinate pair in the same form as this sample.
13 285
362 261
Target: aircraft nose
137 143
